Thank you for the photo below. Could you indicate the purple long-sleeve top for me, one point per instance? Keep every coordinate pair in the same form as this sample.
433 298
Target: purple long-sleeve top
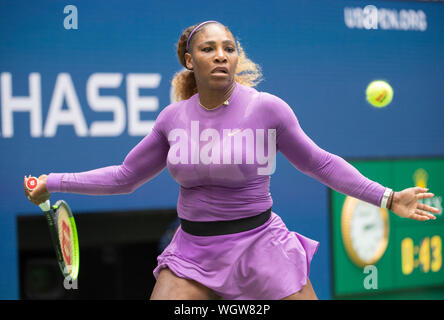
222 159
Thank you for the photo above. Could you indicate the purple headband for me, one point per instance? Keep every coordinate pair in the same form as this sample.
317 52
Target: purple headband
194 30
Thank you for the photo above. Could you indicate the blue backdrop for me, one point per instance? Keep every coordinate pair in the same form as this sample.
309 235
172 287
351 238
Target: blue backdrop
318 56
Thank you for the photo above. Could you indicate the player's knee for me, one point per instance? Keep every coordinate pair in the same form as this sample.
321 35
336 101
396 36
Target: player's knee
306 293
171 287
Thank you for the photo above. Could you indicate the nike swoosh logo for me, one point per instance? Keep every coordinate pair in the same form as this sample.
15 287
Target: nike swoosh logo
234 132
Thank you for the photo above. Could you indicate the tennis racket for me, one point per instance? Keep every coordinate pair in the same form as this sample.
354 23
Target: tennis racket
62 228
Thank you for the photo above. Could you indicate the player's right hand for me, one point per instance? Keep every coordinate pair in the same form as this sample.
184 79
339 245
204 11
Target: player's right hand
40 193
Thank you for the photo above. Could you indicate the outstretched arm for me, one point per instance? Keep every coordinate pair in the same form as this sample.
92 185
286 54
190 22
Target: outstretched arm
143 162
312 160
334 171
146 160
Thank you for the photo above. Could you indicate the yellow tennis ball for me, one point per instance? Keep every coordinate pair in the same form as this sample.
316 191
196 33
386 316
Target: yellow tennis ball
379 93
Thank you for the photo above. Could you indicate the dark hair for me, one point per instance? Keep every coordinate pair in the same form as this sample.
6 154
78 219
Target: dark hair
184 84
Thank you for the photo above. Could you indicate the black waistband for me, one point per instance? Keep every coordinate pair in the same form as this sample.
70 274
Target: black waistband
216 228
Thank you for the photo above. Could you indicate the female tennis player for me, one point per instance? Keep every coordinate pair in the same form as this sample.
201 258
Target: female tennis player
230 244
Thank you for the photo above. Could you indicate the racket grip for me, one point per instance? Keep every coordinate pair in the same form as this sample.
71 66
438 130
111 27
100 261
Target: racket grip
45 206
32 183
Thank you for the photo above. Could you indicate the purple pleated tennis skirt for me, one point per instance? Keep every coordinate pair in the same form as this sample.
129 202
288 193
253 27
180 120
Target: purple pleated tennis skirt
266 263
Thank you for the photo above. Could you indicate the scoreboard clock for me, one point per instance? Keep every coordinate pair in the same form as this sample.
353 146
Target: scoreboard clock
407 254
365 230
427 254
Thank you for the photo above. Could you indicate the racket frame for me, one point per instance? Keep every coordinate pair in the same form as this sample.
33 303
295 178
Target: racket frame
51 214
52 219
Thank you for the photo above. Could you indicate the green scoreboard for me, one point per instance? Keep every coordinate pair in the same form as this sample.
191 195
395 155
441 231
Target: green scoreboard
377 254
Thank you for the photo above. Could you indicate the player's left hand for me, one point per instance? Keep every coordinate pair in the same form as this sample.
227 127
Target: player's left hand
405 204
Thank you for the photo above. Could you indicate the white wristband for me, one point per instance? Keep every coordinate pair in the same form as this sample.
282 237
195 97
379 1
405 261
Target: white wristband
385 197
